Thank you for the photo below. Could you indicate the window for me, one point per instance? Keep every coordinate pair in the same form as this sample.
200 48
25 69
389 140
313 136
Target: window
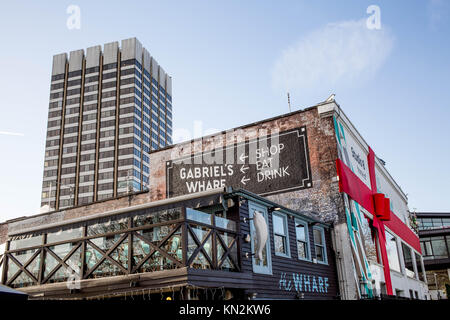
301 231
392 252
265 264
434 247
280 234
399 293
319 245
439 248
407 257
367 240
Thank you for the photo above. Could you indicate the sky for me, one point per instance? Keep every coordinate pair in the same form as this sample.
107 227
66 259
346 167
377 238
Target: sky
232 63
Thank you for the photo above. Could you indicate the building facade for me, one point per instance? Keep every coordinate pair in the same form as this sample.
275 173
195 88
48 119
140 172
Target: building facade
108 109
434 233
311 164
326 170
197 246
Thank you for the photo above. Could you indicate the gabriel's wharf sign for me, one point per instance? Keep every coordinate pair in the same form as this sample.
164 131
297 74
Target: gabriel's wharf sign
270 164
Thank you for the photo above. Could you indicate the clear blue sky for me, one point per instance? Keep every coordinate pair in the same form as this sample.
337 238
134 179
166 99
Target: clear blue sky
228 60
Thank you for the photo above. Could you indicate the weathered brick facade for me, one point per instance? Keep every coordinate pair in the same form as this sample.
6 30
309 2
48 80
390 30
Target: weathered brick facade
322 200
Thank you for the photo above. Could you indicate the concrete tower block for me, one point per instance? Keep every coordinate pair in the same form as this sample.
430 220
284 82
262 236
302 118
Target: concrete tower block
155 68
110 52
59 63
147 60
76 60
169 85
162 77
93 56
131 49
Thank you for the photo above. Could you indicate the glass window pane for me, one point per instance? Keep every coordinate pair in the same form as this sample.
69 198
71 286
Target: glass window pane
448 242
320 254
437 222
173 246
225 223
24 256
61 250
12 269
157 262
419 267
367 239
407 257
74 262
34 266
429 251
280 245
157 217
278 224
427 223
302 251
392 252
200 231
301 232
200 262
92 256
61 275
106 269
226 237
106 243
120 254
23 280
140 249
111 225
439 248
63 235
198 216
317 236
26 241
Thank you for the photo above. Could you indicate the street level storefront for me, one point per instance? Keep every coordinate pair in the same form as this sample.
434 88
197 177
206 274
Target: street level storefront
201 246
313 161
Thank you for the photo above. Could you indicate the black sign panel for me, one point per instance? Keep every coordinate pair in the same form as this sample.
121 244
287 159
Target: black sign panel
267 165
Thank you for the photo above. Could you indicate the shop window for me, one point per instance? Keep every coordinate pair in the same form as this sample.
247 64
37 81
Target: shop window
368 242
319 245
302 235
280 234
263 265
392 252
419 265
407 258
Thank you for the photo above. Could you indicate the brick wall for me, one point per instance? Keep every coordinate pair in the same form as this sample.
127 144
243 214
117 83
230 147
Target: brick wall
323 198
